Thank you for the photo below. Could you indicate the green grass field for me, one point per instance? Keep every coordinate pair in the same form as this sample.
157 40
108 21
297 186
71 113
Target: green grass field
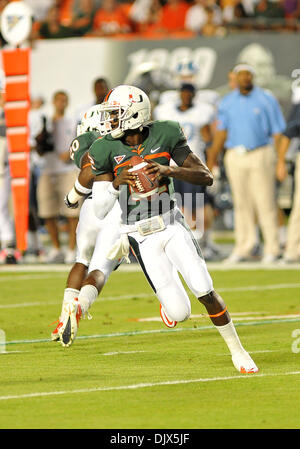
123 373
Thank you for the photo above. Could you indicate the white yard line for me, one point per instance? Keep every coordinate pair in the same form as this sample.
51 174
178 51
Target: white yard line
262 351
241 266
28 304
266 317
258 287
236 317
29 277
10 352
145 385
134 267
58 268
122 352
157 331
148 295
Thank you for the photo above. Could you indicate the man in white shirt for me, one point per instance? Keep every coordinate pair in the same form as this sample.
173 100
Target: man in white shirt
197 16
57 177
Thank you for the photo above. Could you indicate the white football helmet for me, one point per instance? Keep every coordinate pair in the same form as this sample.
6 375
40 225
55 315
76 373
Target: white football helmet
186 71
125 107
92 120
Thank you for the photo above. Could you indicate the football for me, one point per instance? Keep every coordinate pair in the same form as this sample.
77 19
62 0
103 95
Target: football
145 185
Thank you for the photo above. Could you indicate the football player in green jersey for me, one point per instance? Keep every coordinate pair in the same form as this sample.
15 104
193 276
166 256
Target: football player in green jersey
155 229
94 237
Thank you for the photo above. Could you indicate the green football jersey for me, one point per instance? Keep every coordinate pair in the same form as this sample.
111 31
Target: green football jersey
81 144
165 141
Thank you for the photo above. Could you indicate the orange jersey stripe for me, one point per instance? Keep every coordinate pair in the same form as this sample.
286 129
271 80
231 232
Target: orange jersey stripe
148 156
121 165
157 155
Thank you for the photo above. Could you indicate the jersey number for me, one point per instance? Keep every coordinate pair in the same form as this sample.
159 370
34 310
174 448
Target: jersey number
92 162
73 148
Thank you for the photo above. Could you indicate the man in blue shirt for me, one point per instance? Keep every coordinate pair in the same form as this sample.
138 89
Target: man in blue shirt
249 119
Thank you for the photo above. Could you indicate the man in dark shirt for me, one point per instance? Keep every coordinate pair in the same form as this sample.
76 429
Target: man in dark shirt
292 250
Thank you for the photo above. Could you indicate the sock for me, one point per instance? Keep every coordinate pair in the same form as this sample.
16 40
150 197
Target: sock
231 338
87 296
69 295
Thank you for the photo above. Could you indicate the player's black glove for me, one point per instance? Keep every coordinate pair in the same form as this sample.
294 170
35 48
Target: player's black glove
70 205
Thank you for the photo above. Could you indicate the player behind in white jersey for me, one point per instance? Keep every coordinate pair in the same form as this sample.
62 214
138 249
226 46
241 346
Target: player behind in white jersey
188 72
94 237
196 120
155 230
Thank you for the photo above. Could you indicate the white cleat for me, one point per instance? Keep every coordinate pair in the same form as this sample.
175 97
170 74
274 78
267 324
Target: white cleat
244 363
68 330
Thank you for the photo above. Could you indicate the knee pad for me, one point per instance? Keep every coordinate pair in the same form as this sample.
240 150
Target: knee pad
178 312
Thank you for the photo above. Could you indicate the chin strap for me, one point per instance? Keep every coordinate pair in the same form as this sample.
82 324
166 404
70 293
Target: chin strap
117 133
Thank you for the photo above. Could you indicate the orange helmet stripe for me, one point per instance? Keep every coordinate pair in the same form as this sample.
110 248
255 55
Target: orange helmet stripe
108 94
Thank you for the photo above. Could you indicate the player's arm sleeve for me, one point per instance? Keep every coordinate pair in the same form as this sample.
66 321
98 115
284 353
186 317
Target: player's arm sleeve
104 197
179 154
180 149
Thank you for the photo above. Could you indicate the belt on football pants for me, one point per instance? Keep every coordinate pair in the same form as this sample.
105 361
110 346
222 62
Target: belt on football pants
144 227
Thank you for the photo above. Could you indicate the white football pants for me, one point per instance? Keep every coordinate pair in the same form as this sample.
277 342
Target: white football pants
162 256
95 237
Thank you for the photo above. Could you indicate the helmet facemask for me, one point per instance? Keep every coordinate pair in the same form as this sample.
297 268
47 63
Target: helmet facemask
113 116
92 121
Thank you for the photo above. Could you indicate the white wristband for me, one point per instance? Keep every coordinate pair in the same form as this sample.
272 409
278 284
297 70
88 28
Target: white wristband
73 196
81 189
